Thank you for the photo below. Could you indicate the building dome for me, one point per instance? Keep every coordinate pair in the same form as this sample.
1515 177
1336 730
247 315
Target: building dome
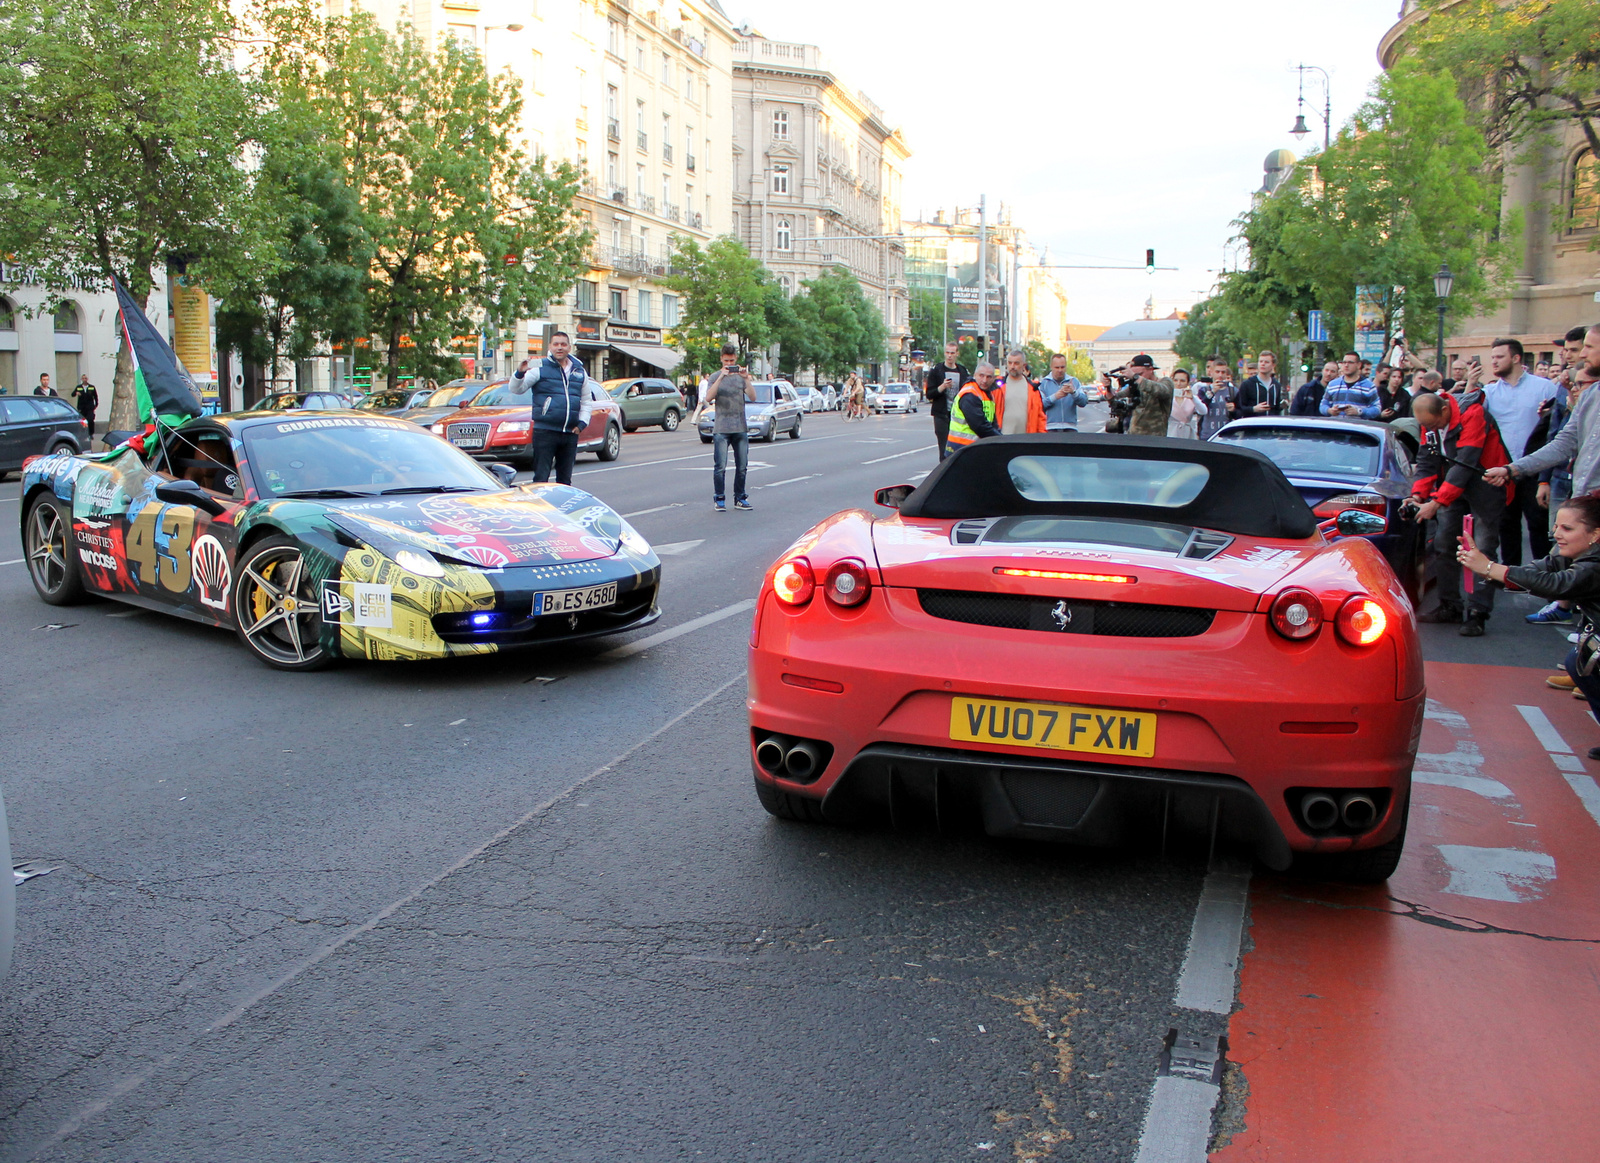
1279 159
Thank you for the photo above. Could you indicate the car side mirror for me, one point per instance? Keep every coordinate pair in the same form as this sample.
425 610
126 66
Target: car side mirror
894 496
183 492
502 472
1359 523
463 403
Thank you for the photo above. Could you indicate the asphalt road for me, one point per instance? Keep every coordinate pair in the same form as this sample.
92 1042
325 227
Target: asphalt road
527 907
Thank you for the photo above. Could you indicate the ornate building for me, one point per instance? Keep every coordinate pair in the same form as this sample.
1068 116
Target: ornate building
817 171
1557 188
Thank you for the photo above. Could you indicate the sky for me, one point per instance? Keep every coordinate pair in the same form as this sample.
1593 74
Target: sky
1105 127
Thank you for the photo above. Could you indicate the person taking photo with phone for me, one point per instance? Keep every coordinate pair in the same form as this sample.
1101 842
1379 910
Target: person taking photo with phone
727 391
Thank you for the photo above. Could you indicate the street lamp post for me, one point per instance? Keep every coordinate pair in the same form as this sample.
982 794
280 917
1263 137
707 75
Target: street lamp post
1443 281
1300 130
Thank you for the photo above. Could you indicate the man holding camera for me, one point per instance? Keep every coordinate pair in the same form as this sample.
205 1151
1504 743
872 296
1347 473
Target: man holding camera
1262 394
1352 394
727 391
1151 398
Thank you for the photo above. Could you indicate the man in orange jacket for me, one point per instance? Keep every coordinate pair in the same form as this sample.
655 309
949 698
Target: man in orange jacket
1018 405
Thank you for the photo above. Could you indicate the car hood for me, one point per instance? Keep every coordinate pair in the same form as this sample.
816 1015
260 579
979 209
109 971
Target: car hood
427 416
918 553
1321 486
533 525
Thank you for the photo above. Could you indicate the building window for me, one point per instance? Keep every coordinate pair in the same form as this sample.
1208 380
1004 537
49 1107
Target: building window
583 154
639 58
619 304
688 84
638 180
666 191
1585 201
67 319
8 354
465 36
616 234
688 148
644 308
611 171
780 179
644 240
785 234
787 284
780 124
669 310
666 137
535 72
614 38
639 125
666 69
583 297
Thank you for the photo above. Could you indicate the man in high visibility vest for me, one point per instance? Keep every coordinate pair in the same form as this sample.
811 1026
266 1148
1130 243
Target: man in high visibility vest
973 417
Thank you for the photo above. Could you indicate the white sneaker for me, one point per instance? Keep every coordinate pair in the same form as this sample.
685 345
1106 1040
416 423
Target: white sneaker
1572 638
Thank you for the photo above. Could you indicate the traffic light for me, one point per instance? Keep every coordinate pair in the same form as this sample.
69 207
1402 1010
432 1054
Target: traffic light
1150 259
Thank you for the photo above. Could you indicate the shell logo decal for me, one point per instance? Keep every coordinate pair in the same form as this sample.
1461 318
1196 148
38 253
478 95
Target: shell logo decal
486 556
212 576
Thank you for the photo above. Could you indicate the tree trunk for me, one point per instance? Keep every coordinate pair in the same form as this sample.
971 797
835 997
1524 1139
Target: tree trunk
124 406
392 358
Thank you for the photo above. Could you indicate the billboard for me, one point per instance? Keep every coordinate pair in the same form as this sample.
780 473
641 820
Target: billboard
964 313
1372 322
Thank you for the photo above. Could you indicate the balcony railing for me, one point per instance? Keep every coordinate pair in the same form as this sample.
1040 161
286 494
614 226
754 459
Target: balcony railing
666 152
670 210
620 196
645 202
644 142
695 220
613 130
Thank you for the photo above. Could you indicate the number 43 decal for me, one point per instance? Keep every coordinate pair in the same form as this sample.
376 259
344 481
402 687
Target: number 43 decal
158 543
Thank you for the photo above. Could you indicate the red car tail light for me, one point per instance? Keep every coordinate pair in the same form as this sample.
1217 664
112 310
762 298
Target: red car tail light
1369 502
794 582
848 583
1297 614
1361 621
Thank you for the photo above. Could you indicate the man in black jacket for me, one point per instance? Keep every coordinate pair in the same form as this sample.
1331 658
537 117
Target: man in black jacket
940 386
1262 394
1308 400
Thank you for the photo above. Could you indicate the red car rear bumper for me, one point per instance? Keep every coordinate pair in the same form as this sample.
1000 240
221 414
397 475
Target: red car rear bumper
1244 719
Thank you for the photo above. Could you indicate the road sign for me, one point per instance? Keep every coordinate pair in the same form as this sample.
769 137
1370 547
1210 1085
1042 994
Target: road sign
1315 331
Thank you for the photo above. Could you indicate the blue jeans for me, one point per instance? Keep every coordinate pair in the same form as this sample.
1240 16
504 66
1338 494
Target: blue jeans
719 463
1589 684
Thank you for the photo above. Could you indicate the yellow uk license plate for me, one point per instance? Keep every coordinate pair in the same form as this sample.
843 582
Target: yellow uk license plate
1059 726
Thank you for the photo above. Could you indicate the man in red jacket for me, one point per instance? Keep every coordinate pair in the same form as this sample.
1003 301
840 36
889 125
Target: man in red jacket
1461 443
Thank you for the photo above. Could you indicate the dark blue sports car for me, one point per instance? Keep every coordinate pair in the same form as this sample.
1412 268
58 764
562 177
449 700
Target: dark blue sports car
1343 464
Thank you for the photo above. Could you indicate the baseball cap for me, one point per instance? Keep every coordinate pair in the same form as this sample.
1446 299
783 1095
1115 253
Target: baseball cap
1141 361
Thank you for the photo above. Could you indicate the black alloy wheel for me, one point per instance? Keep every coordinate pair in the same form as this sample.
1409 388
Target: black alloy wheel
277 606
52 565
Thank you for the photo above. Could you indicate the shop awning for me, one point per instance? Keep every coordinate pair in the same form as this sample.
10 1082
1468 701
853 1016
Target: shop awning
662 357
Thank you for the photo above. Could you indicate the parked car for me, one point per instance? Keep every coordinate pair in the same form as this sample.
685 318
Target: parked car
872 394
446 401
299 402
775 409
830 397
811 399
1343 464
499 426
647 402
31 425
895 398
393 403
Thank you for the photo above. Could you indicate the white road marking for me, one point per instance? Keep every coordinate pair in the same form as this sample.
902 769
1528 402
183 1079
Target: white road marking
676 548
14 561
1497 874
657 509
898 455
131 1082
1571 767
1177 1125
1459 769
636 464
3 500
752 466
643 644
790 481
1212 963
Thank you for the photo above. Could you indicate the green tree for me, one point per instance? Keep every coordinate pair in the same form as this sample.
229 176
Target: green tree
306 283
465 228
122 144
849 328
931 327
727 297
1529 66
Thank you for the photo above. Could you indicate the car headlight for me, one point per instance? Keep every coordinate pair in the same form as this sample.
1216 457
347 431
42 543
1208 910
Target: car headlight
439 428
418 563
511 427
632 541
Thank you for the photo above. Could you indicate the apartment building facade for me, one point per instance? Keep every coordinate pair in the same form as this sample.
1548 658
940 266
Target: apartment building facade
817 170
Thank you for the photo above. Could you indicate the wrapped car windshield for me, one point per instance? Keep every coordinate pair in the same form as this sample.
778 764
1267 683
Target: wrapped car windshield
1311 450
355 455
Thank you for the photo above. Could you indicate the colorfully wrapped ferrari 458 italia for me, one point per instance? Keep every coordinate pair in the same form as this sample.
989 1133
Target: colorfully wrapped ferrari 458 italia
331 535
1095 639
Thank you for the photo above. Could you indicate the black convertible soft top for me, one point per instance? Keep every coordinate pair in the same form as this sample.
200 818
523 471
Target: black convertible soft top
1244 492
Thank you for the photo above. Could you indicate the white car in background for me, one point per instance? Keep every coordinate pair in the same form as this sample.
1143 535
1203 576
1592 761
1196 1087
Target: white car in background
894 398
812 399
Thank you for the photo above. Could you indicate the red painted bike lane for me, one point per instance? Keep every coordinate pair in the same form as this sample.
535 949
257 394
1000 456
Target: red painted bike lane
1453 1013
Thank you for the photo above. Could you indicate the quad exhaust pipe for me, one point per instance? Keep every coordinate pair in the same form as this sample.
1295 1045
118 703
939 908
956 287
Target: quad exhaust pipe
797 759
1357 811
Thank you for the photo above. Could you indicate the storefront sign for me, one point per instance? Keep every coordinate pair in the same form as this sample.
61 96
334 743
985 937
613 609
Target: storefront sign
584 330
620 333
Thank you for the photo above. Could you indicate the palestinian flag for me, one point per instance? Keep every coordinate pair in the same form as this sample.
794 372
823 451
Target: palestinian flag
164 389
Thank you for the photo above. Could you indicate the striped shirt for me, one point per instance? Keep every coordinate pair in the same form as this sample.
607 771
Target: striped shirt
1343 393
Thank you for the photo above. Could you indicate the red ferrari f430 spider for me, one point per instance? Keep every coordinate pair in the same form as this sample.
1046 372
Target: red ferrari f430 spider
1095 639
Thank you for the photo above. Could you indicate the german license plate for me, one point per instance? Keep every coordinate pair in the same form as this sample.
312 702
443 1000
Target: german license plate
1058 726
574 601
